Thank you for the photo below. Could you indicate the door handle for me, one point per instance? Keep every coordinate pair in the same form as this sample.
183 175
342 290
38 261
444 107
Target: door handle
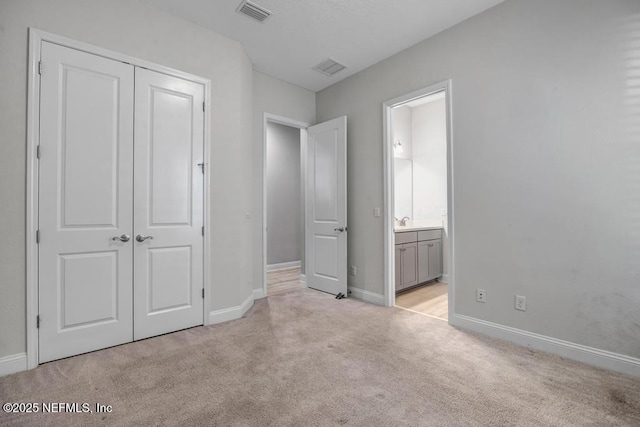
123 238
140 238
340 230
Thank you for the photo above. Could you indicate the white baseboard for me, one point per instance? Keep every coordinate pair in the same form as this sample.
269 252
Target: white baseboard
592 356
13 363
258 294
366 296
283 265
303 278
231 313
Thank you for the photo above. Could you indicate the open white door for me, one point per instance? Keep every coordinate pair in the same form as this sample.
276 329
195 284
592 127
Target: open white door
326 218
168 205
86 168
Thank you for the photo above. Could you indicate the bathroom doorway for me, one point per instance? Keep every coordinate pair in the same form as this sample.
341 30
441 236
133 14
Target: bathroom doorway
417 202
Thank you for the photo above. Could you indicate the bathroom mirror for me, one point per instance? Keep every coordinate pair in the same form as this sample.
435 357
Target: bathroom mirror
403 187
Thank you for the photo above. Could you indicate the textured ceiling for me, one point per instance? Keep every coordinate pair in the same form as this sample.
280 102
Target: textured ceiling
301 33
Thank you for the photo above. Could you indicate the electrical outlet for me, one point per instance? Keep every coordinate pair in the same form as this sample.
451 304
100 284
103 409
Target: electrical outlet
481 295
376 212
353 270
521 303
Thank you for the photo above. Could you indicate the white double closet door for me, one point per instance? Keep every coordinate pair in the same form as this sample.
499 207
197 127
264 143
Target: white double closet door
120 203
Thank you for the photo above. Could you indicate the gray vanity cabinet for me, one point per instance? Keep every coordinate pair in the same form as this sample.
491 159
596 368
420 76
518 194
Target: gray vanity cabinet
418 257
429 260
406 265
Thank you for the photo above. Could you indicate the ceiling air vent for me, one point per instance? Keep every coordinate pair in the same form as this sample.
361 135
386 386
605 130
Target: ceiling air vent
254 11
329 67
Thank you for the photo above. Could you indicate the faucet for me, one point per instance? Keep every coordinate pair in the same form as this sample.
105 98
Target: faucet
403 221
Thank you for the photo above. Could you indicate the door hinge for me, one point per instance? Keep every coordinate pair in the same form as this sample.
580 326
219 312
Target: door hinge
202 293
203 231
38 152
203 106
38 321
37 236
39 67
201 167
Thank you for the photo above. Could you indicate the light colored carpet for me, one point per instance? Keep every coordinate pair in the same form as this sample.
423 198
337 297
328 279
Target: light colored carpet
305 358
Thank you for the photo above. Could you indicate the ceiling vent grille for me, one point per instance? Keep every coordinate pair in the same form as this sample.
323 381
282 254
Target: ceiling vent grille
254 11
329 67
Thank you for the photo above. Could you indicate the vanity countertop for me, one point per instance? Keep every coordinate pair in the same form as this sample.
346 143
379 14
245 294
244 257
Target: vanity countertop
417 227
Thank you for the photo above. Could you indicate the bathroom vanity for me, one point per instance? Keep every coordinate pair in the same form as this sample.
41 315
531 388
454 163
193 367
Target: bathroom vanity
418 255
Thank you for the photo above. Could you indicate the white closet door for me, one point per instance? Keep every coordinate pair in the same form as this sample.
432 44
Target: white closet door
326 263
169 136
86 145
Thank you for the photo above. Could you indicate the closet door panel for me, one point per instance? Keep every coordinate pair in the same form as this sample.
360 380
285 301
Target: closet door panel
168 212
85 201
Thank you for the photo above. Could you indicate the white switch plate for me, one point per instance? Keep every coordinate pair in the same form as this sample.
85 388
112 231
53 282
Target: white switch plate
376 212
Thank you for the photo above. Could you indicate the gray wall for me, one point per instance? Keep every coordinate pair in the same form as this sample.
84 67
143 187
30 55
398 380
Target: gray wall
546 151
273 96
137 29
284 195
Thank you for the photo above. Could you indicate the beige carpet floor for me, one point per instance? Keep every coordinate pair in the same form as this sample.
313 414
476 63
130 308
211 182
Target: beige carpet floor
306 359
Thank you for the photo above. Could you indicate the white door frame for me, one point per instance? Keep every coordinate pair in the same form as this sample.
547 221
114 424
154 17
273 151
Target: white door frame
387 149
36 37
273 118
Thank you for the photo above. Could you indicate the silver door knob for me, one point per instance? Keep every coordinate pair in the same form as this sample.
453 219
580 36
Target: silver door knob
341 229
123 238
141 238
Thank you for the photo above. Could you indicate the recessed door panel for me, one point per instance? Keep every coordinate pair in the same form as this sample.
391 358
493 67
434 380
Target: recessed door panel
85 200
326 263
168 213
88 289
410 264
435 259
325 185
89 160
169 279
171 147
